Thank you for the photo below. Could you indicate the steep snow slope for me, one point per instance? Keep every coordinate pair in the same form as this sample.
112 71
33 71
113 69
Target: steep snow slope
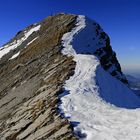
92 97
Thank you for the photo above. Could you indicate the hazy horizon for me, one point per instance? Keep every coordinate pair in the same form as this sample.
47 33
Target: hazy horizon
131 71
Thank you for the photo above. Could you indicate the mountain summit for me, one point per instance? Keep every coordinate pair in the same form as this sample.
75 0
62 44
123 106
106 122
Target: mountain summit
61 80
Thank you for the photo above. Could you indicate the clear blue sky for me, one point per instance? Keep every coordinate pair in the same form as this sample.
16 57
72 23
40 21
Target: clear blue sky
119 18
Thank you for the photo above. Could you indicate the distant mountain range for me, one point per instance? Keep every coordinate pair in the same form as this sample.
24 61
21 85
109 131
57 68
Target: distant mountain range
134 83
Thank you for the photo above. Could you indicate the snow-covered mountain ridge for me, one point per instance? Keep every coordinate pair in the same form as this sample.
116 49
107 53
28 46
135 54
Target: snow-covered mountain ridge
93 40
93 100
75 45
60 75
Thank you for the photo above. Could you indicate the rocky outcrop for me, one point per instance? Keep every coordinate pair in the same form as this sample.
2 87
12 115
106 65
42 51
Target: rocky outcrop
108 57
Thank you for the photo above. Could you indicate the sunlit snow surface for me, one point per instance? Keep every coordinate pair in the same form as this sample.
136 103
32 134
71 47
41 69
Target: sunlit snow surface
14 56
86 93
